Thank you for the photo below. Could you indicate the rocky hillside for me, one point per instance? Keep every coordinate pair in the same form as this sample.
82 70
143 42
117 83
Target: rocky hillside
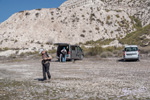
75 21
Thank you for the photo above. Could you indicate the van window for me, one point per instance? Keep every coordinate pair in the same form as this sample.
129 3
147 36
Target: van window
128 49
79 49
73 48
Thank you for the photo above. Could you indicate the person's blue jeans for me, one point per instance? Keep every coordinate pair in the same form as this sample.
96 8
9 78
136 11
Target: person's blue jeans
64 58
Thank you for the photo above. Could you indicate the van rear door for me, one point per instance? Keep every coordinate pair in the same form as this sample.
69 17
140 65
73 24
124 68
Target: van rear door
60 47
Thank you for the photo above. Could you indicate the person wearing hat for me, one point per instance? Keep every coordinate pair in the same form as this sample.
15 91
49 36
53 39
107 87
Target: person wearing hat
45 64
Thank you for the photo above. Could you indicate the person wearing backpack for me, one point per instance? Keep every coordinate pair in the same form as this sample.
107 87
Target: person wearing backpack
46 64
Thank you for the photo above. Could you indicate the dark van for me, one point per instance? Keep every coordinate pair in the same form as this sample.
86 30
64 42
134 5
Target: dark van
74 52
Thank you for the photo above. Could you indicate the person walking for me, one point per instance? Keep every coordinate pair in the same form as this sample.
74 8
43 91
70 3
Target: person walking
46 64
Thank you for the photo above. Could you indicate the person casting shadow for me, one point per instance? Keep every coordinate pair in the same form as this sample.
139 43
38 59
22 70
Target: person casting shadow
46 64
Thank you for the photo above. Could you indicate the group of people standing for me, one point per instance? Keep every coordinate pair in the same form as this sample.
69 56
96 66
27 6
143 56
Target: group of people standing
46 62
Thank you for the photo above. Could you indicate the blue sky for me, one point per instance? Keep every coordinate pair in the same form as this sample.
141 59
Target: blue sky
9 7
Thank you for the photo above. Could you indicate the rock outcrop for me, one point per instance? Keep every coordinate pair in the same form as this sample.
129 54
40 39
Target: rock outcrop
73 22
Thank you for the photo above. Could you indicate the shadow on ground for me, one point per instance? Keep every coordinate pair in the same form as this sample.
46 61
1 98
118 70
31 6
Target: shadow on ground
122 60
39 79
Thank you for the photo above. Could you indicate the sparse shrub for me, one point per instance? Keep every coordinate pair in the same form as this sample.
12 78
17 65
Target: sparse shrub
1 42
58 9
94 51
107 10
37 14
119 29
144 50
1 49
103 55
32 41
92 17
117 16
117 53
38 9
91 8
28 53
12 56
108 17
83 31
110 49
98 9
90 31
52 13
52 18
108 22
136 37
6 48
22 54
80 43
17 52
98 20
38 42
97 28
137 23
15 41
21 11
6 40
105 30
27 13
118 10
82 35
106 54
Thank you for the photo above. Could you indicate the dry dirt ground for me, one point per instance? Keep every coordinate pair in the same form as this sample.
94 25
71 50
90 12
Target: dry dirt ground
88 79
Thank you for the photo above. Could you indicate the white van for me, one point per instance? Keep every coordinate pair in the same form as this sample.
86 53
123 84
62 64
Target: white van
131 52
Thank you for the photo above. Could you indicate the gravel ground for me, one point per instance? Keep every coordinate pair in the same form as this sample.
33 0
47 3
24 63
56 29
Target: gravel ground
88 79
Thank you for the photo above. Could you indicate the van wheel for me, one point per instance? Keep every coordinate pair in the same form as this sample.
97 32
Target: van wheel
124 60
72 60
81 57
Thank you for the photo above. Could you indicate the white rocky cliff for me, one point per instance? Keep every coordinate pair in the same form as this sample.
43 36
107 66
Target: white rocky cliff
73 22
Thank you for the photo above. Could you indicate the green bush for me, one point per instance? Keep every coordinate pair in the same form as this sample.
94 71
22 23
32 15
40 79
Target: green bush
95 51
103 52
117 16
99 42
6 48
138 37
144 50
106 54
136 22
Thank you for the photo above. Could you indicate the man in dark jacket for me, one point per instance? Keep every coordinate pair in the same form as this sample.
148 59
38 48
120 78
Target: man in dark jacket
46 64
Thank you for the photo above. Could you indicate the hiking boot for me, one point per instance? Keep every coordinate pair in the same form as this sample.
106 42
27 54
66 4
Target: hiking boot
49 77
